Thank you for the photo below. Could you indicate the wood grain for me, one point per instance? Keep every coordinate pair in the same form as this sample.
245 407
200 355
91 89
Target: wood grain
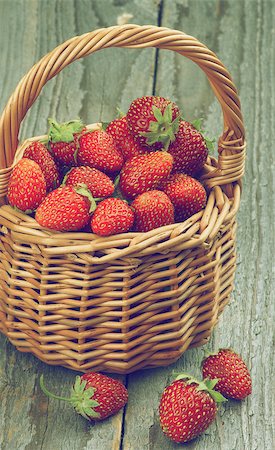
90 88
239 33
242 34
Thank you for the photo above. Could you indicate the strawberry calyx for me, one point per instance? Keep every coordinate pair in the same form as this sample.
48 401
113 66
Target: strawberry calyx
207 353
81 398
164 128
206 385
104 125
83 190
64 132
197 124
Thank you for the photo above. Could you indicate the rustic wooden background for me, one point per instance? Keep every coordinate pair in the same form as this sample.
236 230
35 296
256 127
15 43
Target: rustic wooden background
241 32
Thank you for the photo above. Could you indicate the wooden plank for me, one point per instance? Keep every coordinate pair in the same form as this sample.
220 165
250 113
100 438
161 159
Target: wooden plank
91 88
239 32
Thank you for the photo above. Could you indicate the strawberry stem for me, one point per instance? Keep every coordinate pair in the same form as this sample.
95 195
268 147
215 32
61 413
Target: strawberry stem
81 398
119 112
50 394
65 177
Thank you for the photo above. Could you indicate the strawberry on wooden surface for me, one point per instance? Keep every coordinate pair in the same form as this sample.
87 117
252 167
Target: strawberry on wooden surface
187 408
39 153
63 140
145 172
186 193
153 209
98 149
98 183
153 121
95 396
112 216
27 185
232 372
189 149
125 142
65 209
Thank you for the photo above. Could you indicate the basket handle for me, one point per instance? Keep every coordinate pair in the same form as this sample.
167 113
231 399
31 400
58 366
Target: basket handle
230 166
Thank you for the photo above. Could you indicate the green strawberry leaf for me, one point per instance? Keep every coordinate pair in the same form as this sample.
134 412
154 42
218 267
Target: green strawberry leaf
210 143
64 132
210 384
197 123
79 385
168 114
104 125
157 113
164 128
184 376
206 385
116 182
175 126
153 128
217 396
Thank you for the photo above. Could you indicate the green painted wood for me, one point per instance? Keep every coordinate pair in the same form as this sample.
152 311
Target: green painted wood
239 32
91 88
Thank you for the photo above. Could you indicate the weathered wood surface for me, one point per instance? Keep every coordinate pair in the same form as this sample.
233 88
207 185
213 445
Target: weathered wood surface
242 34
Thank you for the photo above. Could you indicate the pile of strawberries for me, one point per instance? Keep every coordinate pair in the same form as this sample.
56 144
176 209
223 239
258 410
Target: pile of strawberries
187 406
136 173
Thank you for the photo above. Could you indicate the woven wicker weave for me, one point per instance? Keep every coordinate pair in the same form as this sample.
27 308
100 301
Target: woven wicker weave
129 301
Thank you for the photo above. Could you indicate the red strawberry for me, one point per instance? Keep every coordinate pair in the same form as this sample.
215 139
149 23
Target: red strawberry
153 121
152 209
189 149
112 216
98 149
65 209
63 140
187 408
94 396
145 172
39 153
187 195
125 142
98 183
230 369
27 185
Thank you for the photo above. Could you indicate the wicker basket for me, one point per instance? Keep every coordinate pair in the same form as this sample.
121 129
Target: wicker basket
135 300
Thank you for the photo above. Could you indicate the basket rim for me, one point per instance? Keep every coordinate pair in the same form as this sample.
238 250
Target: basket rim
197 230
